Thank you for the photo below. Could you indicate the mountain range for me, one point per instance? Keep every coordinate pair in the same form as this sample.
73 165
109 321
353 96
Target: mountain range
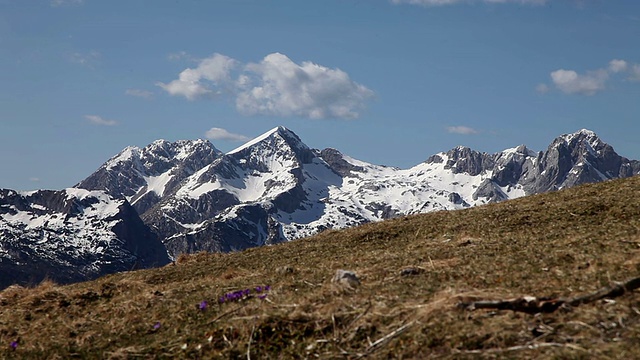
188 196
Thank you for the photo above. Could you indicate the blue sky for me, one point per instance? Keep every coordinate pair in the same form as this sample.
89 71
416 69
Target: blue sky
385 81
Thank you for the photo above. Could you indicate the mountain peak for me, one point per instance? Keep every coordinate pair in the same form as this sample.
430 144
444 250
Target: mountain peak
289 136
581 135
586 132
128 153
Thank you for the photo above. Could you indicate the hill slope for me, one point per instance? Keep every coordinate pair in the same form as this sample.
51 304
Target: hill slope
563 243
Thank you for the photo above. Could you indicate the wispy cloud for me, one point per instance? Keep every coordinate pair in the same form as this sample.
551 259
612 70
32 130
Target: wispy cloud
98 120
452 2
88 59
275 86
180 55
592 81
139 93
542 88
56 3
34 179
462 130
222 134
635 73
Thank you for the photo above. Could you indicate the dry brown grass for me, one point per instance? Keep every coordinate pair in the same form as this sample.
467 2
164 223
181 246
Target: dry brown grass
557 244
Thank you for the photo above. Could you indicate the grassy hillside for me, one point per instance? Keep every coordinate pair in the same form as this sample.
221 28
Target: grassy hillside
558 244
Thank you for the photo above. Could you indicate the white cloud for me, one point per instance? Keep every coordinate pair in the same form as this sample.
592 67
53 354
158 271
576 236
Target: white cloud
139 93
222 134
570 82
56 3
542 88
97 120
463 130
200 82
34 179
276 86
616 66
451 2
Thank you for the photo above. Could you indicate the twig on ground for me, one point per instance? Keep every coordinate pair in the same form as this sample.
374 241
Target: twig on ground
383 340
535 305
519 348
249 344
310 283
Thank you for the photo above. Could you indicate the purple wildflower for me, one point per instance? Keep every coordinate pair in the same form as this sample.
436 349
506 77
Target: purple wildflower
13 345
156 326
267 288
247 292
259 289
221 300
203 305
262 297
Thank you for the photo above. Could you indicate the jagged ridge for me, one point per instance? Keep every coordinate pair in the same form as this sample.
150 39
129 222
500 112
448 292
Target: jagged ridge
274 188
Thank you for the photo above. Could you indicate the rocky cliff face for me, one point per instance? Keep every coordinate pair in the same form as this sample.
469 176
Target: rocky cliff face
71 235
575 159
231 203
144 176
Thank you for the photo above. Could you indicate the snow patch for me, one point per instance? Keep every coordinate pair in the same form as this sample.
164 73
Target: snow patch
158 183
256 140
127 154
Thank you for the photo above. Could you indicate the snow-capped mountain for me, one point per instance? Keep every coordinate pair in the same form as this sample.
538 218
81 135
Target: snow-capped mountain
144 176
145 205
187 196
275 188
71 235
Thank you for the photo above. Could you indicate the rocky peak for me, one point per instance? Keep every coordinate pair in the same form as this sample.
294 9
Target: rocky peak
144 175
464 160
161 155
582 136
279 145
337 163
573 159
512 164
